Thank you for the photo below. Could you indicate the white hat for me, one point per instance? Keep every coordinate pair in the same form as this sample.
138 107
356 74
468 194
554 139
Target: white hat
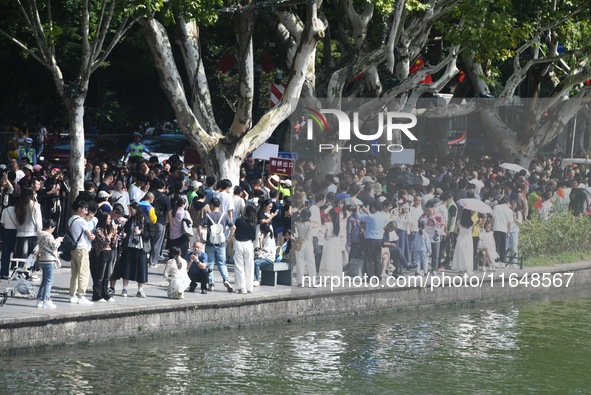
286 182
103 194
275 178
335 179
29 167
195 184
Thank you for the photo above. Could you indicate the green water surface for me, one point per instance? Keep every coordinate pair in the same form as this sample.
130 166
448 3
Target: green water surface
538 346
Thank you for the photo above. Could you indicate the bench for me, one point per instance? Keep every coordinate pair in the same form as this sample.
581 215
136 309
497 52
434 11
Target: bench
276 273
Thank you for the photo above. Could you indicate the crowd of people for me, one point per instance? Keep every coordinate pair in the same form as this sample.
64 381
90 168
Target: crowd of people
372 221
365 220
137 215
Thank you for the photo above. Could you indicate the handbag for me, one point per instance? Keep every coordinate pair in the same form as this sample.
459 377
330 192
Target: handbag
187 226
299 242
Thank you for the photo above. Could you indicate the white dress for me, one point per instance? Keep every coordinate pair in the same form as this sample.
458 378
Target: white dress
464 252
331 263
179 279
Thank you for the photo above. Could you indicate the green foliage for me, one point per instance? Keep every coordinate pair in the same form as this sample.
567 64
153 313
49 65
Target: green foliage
204 11
560 234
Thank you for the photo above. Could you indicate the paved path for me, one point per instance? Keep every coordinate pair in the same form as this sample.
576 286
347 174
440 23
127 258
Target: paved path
19 307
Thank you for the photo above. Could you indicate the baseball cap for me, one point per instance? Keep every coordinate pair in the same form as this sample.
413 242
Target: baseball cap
196 184
136 134
286 182
29 140
29 167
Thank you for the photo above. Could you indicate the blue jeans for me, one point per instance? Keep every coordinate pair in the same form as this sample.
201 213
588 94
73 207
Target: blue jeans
46 281
217 255
257 267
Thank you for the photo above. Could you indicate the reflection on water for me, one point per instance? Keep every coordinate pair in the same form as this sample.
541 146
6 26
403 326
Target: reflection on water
537 346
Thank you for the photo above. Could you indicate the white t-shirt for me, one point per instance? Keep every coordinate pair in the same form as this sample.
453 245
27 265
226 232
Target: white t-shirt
502 217
77 226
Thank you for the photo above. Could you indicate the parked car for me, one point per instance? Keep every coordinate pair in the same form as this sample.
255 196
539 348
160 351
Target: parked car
164 146
96 148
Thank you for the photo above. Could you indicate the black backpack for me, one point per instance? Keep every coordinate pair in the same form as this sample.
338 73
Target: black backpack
69 243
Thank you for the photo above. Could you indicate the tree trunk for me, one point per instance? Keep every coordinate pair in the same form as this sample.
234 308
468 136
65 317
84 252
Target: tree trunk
76 119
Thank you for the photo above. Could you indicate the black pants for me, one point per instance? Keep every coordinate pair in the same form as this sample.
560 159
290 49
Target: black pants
100 268
501 244
373 257
202 276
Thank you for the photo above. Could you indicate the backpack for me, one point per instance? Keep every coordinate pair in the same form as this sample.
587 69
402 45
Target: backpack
216 231
69 243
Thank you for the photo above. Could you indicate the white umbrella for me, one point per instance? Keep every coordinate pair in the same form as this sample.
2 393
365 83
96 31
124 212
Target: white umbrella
475 205
514 167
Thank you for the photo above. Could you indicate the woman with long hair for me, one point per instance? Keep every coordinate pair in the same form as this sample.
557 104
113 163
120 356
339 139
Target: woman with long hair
102 247
48 260
331 263
177 237
95 176
244 237
136 243
28 223
304 248
264 251
464 250
175 272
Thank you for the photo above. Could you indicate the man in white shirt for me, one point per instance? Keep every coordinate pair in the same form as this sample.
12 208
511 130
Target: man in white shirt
226 200
502 217
80 264
138 190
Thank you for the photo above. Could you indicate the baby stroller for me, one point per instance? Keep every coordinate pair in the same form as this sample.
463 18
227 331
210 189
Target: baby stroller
22 274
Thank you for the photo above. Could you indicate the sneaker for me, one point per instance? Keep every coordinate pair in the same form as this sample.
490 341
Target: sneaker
256 283
111 291
140 294
84 301
210 287
40 304
228 286
124 293
204 291
101 301
48 304
74 299
248 292
111 300
240 291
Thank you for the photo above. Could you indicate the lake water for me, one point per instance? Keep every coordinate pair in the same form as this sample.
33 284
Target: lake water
537 346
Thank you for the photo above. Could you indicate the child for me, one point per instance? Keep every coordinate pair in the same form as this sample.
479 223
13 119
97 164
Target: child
422 247
175 273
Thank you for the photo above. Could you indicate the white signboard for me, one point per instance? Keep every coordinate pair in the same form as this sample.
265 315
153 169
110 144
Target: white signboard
266 151
404 157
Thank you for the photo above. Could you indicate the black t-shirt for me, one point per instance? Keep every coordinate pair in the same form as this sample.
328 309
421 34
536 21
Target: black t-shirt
162 206
244 230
